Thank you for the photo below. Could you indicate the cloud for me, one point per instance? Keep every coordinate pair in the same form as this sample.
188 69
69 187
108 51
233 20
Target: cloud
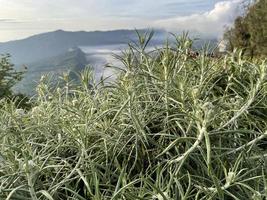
5 20
8 20
211 23
32 16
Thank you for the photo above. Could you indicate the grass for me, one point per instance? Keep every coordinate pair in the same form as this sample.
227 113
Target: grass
172 126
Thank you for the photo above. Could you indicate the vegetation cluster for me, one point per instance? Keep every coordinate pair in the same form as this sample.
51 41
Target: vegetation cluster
171 126
250 30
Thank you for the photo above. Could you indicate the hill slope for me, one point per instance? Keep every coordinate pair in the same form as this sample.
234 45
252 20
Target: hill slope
74 60
54 43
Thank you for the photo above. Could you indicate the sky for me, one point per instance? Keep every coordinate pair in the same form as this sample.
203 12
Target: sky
22 18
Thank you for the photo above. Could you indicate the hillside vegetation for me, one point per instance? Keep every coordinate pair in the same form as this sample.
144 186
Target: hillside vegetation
8 76
250 31
172 126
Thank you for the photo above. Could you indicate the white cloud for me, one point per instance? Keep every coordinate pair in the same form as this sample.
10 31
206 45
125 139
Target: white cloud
211 23
26 17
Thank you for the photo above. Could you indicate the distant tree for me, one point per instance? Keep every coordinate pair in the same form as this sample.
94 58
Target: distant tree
8 76
250 31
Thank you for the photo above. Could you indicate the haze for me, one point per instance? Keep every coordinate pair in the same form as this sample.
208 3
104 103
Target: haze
22 18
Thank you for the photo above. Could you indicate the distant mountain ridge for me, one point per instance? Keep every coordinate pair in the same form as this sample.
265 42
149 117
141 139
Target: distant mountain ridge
49 52
50 44
58 51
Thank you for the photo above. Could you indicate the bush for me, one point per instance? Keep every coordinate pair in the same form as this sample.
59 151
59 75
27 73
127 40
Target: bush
249 31
8 78
172 126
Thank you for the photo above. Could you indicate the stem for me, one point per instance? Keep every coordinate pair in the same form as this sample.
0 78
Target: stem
200 137
252 142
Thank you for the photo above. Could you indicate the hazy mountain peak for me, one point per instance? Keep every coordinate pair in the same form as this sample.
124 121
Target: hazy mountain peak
56 42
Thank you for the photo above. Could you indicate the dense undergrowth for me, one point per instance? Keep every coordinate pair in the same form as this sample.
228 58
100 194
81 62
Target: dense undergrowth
172 126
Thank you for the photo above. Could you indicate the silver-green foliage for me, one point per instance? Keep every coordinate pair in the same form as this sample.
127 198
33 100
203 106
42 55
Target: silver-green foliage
172 126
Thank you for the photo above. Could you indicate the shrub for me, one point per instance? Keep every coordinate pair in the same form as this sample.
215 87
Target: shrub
8 76
171 126
249 31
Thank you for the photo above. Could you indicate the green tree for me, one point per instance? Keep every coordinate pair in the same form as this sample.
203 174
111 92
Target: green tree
8 76
250 31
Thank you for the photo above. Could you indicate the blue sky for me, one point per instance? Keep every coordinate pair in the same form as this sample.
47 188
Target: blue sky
21 18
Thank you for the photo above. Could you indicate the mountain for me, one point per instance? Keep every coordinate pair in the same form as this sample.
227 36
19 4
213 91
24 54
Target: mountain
50 44
58 51
49 52
54 43
73 60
